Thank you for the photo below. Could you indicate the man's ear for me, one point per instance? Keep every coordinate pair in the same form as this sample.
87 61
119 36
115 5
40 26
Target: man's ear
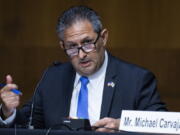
104 35
61 44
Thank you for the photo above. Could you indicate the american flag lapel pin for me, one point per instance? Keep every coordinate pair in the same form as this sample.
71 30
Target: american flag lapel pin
111 84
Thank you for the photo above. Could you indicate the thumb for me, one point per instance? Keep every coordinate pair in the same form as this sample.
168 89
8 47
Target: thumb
9 79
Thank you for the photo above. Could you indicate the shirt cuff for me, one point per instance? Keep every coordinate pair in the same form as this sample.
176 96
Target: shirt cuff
9 120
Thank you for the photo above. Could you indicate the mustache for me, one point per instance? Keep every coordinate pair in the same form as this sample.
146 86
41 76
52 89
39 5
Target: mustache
84 60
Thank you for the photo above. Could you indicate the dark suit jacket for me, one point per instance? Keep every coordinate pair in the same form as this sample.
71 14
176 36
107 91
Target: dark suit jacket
135 89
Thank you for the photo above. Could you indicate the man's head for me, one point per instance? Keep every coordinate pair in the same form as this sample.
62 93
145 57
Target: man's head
83 39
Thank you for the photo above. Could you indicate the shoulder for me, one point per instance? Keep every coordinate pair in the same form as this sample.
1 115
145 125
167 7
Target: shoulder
57 72
127 68
59 66
58 69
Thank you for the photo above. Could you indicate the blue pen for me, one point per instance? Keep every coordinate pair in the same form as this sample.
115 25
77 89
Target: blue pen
13 90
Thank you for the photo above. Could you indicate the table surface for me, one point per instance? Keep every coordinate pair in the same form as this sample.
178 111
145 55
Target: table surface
13 131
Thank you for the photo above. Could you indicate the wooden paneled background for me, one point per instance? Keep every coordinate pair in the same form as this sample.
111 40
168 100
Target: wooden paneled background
144 32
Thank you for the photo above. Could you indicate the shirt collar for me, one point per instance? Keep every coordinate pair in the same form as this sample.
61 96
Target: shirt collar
97 75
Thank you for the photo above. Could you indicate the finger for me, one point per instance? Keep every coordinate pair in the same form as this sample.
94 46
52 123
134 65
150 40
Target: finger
13 104
104 129
10 98
101 122
8 102
113 125
8 87
9 79
8 93
107 125
101 130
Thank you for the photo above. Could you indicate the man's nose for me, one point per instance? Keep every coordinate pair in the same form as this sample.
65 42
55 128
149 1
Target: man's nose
81 54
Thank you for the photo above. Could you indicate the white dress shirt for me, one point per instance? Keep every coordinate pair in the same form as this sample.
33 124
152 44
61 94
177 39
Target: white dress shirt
95 93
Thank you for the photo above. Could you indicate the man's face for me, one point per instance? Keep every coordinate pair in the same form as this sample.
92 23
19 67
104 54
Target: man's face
77 35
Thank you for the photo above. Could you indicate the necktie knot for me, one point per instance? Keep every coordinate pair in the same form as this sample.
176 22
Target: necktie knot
84 80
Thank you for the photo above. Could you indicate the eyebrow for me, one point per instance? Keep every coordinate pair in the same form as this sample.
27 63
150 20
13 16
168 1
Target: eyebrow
70 43
86 39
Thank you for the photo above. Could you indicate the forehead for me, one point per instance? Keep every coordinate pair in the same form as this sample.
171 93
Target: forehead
79 30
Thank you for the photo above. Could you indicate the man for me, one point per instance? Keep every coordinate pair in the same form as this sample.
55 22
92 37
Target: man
93 85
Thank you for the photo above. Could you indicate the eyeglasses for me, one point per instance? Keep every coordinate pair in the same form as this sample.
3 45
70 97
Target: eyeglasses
86 47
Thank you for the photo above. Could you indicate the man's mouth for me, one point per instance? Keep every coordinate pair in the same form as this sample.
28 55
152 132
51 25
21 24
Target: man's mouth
85 63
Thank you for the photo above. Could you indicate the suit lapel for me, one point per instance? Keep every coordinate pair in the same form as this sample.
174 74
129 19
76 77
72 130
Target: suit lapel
109 87
68 88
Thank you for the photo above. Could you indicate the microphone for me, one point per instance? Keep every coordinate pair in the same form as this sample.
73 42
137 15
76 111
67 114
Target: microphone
30 126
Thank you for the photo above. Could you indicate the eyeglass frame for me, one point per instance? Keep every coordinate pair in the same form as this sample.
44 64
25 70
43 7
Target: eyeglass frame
81 47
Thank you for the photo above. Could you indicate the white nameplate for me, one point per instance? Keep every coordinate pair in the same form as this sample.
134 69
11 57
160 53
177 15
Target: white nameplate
150 122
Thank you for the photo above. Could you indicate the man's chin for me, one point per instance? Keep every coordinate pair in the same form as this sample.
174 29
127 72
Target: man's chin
87 72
